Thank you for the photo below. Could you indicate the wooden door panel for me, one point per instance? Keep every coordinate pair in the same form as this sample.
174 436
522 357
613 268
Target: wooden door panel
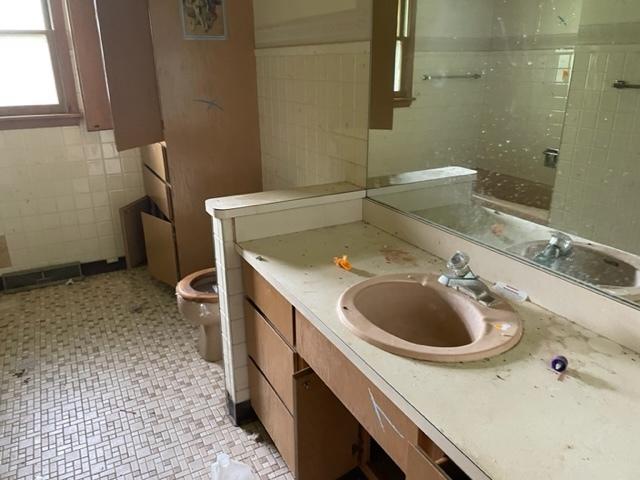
131 72
88 52
212 152
326 433
161 250
154 156
158 191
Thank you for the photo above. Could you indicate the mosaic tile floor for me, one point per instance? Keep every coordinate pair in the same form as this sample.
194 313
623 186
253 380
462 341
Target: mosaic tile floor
101 380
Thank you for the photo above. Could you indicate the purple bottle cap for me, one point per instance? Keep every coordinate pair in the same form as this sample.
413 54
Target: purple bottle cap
559 363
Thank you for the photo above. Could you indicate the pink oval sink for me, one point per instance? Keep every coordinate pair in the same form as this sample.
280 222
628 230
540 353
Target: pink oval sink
414 316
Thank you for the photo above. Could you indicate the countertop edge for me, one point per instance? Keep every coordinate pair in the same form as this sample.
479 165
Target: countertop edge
264 202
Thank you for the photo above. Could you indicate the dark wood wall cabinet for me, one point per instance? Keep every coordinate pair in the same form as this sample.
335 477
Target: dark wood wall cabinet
324 415
141 77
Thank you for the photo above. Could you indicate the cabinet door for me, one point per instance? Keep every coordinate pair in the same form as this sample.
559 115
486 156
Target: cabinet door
420 467
88 52
161 249
158 191
378 415
154 156
125 32
326 433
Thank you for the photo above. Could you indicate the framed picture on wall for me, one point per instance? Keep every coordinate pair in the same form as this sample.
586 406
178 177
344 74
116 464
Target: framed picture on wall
204 19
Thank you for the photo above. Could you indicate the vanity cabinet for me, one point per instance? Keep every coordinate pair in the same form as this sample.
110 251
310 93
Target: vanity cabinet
314 432
323 414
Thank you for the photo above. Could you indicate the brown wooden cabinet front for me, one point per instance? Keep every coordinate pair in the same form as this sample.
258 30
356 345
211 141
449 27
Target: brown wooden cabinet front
316 435
160 248
125 33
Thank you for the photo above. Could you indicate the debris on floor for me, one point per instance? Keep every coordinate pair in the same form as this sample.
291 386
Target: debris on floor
136 309
134 402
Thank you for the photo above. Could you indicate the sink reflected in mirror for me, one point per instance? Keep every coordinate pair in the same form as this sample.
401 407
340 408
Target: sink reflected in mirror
587 263
415 316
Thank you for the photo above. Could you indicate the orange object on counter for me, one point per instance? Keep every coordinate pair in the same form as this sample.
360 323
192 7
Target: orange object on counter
343 262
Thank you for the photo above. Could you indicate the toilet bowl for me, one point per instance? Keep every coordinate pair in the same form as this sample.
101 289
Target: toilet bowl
197 296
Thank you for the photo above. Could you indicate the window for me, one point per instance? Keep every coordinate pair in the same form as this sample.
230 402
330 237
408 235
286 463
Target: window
36 84
405 43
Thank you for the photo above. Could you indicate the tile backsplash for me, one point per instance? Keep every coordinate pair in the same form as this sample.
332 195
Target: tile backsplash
314 103
60 191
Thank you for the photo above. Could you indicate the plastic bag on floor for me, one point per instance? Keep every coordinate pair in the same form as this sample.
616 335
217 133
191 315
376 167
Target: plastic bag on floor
226 469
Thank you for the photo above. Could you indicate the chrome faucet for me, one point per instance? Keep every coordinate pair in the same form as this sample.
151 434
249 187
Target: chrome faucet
460 277
560 245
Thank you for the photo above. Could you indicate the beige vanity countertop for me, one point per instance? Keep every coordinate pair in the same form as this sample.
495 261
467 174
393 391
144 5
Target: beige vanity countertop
509 416
266 201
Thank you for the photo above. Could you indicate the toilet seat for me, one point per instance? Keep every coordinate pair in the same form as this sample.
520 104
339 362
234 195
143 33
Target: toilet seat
187 291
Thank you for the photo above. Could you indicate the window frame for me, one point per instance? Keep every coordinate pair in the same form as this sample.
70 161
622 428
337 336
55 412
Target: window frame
67 111
404 97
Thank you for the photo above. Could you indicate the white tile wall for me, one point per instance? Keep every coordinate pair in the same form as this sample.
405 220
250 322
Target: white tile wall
231 309
502 122
60 191
313 103
442 126
597 188
523 112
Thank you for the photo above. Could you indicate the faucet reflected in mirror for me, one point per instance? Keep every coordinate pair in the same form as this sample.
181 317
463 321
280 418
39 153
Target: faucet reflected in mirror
522 132
560 245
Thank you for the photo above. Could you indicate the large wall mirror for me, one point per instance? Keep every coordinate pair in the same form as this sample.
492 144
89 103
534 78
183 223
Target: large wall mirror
517 123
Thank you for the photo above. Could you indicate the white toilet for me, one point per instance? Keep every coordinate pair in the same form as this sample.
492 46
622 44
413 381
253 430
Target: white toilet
197 296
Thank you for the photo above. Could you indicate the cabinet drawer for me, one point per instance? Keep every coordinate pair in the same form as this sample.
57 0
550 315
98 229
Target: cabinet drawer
154 156
273 414
160 246
420 467
269 301
390 428
271 354
158 192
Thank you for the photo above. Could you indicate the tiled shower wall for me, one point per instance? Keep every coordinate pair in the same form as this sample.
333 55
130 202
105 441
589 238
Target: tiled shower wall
60 191
441 128
314 103
501 122
523 112
597 188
